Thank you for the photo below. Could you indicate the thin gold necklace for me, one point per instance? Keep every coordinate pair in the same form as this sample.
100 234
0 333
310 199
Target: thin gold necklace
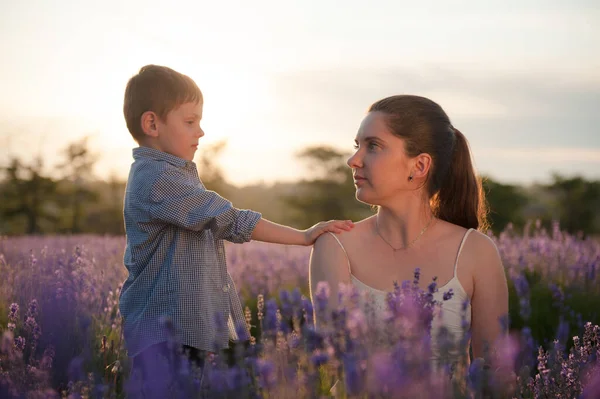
410 243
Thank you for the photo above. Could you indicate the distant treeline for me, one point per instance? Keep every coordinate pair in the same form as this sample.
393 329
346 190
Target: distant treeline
70 200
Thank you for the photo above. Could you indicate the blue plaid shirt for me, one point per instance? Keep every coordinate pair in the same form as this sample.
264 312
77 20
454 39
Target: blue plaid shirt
176 258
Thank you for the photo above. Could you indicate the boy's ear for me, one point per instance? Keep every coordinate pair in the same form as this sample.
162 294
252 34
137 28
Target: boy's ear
149 123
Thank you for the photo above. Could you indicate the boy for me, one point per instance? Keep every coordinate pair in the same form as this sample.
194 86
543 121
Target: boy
175 228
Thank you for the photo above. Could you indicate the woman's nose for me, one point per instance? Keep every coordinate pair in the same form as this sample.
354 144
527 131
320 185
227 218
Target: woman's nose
354 161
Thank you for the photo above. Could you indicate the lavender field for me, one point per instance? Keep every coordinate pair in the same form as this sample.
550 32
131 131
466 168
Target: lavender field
61 331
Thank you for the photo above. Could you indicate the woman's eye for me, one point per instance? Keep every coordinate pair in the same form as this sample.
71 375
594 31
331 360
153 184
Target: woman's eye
355 146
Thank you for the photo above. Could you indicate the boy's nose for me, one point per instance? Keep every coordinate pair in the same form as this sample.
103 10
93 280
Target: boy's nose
200 133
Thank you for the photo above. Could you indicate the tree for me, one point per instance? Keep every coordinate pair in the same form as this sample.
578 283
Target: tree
28 197
506 204
77 172
330 194
105 216
209 169
576 203
327 163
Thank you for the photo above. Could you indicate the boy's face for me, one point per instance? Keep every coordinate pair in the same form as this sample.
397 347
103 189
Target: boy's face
179 134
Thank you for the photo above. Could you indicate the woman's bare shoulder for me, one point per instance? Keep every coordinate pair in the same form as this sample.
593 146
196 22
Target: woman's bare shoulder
330 255
345 238
481 244
480 254
475 242
478 250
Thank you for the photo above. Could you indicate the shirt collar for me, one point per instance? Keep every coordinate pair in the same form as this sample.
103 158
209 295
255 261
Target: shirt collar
151 153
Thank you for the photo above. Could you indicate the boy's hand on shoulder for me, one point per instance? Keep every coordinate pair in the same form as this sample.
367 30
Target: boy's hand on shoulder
333 226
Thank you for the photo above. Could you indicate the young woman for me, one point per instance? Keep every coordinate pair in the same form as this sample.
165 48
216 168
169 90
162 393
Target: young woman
416 168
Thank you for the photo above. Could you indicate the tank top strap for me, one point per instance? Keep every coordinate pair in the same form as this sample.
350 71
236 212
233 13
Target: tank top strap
343 249
462 243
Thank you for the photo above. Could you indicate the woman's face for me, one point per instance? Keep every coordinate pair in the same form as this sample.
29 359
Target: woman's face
380 165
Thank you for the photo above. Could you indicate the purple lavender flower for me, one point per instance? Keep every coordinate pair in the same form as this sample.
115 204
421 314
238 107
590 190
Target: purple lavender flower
271 316
296 297
563 332
7 341
319 358
526 356
266 373
448 295
558 296
241 330
47 358
432 287
30 323
20 343
313 340
417 276
33 308
405 285
286 306
465 305
76 371
322 296
356 323
591 275
525 308
388 373
476 374
592 388
546 257
13 312
522 289
352 374
308 311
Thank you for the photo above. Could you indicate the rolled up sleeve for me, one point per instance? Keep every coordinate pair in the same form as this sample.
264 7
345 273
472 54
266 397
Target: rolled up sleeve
174 199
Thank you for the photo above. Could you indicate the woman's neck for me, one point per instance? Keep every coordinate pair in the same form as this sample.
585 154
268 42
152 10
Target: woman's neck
400 227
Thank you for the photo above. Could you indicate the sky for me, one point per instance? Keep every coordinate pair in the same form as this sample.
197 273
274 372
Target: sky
521 79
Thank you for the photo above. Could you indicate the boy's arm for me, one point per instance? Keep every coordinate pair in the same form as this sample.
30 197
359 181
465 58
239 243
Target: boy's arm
275 233
174 199
177 201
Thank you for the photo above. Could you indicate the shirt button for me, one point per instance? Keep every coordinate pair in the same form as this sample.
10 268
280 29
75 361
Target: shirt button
226 288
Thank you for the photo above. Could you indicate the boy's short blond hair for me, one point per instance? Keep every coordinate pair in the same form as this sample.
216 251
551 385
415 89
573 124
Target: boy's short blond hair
158 89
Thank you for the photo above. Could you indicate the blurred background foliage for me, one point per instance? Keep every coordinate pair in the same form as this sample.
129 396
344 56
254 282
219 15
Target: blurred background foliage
68 199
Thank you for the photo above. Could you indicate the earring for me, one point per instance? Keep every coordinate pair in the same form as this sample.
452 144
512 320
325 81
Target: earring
410 178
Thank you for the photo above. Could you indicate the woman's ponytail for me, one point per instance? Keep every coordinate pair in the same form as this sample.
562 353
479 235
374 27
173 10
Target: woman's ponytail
460 199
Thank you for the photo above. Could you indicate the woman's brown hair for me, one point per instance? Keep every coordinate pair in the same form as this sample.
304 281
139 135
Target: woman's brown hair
455 192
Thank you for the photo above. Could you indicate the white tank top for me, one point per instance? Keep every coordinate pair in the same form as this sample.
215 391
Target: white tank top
451 315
